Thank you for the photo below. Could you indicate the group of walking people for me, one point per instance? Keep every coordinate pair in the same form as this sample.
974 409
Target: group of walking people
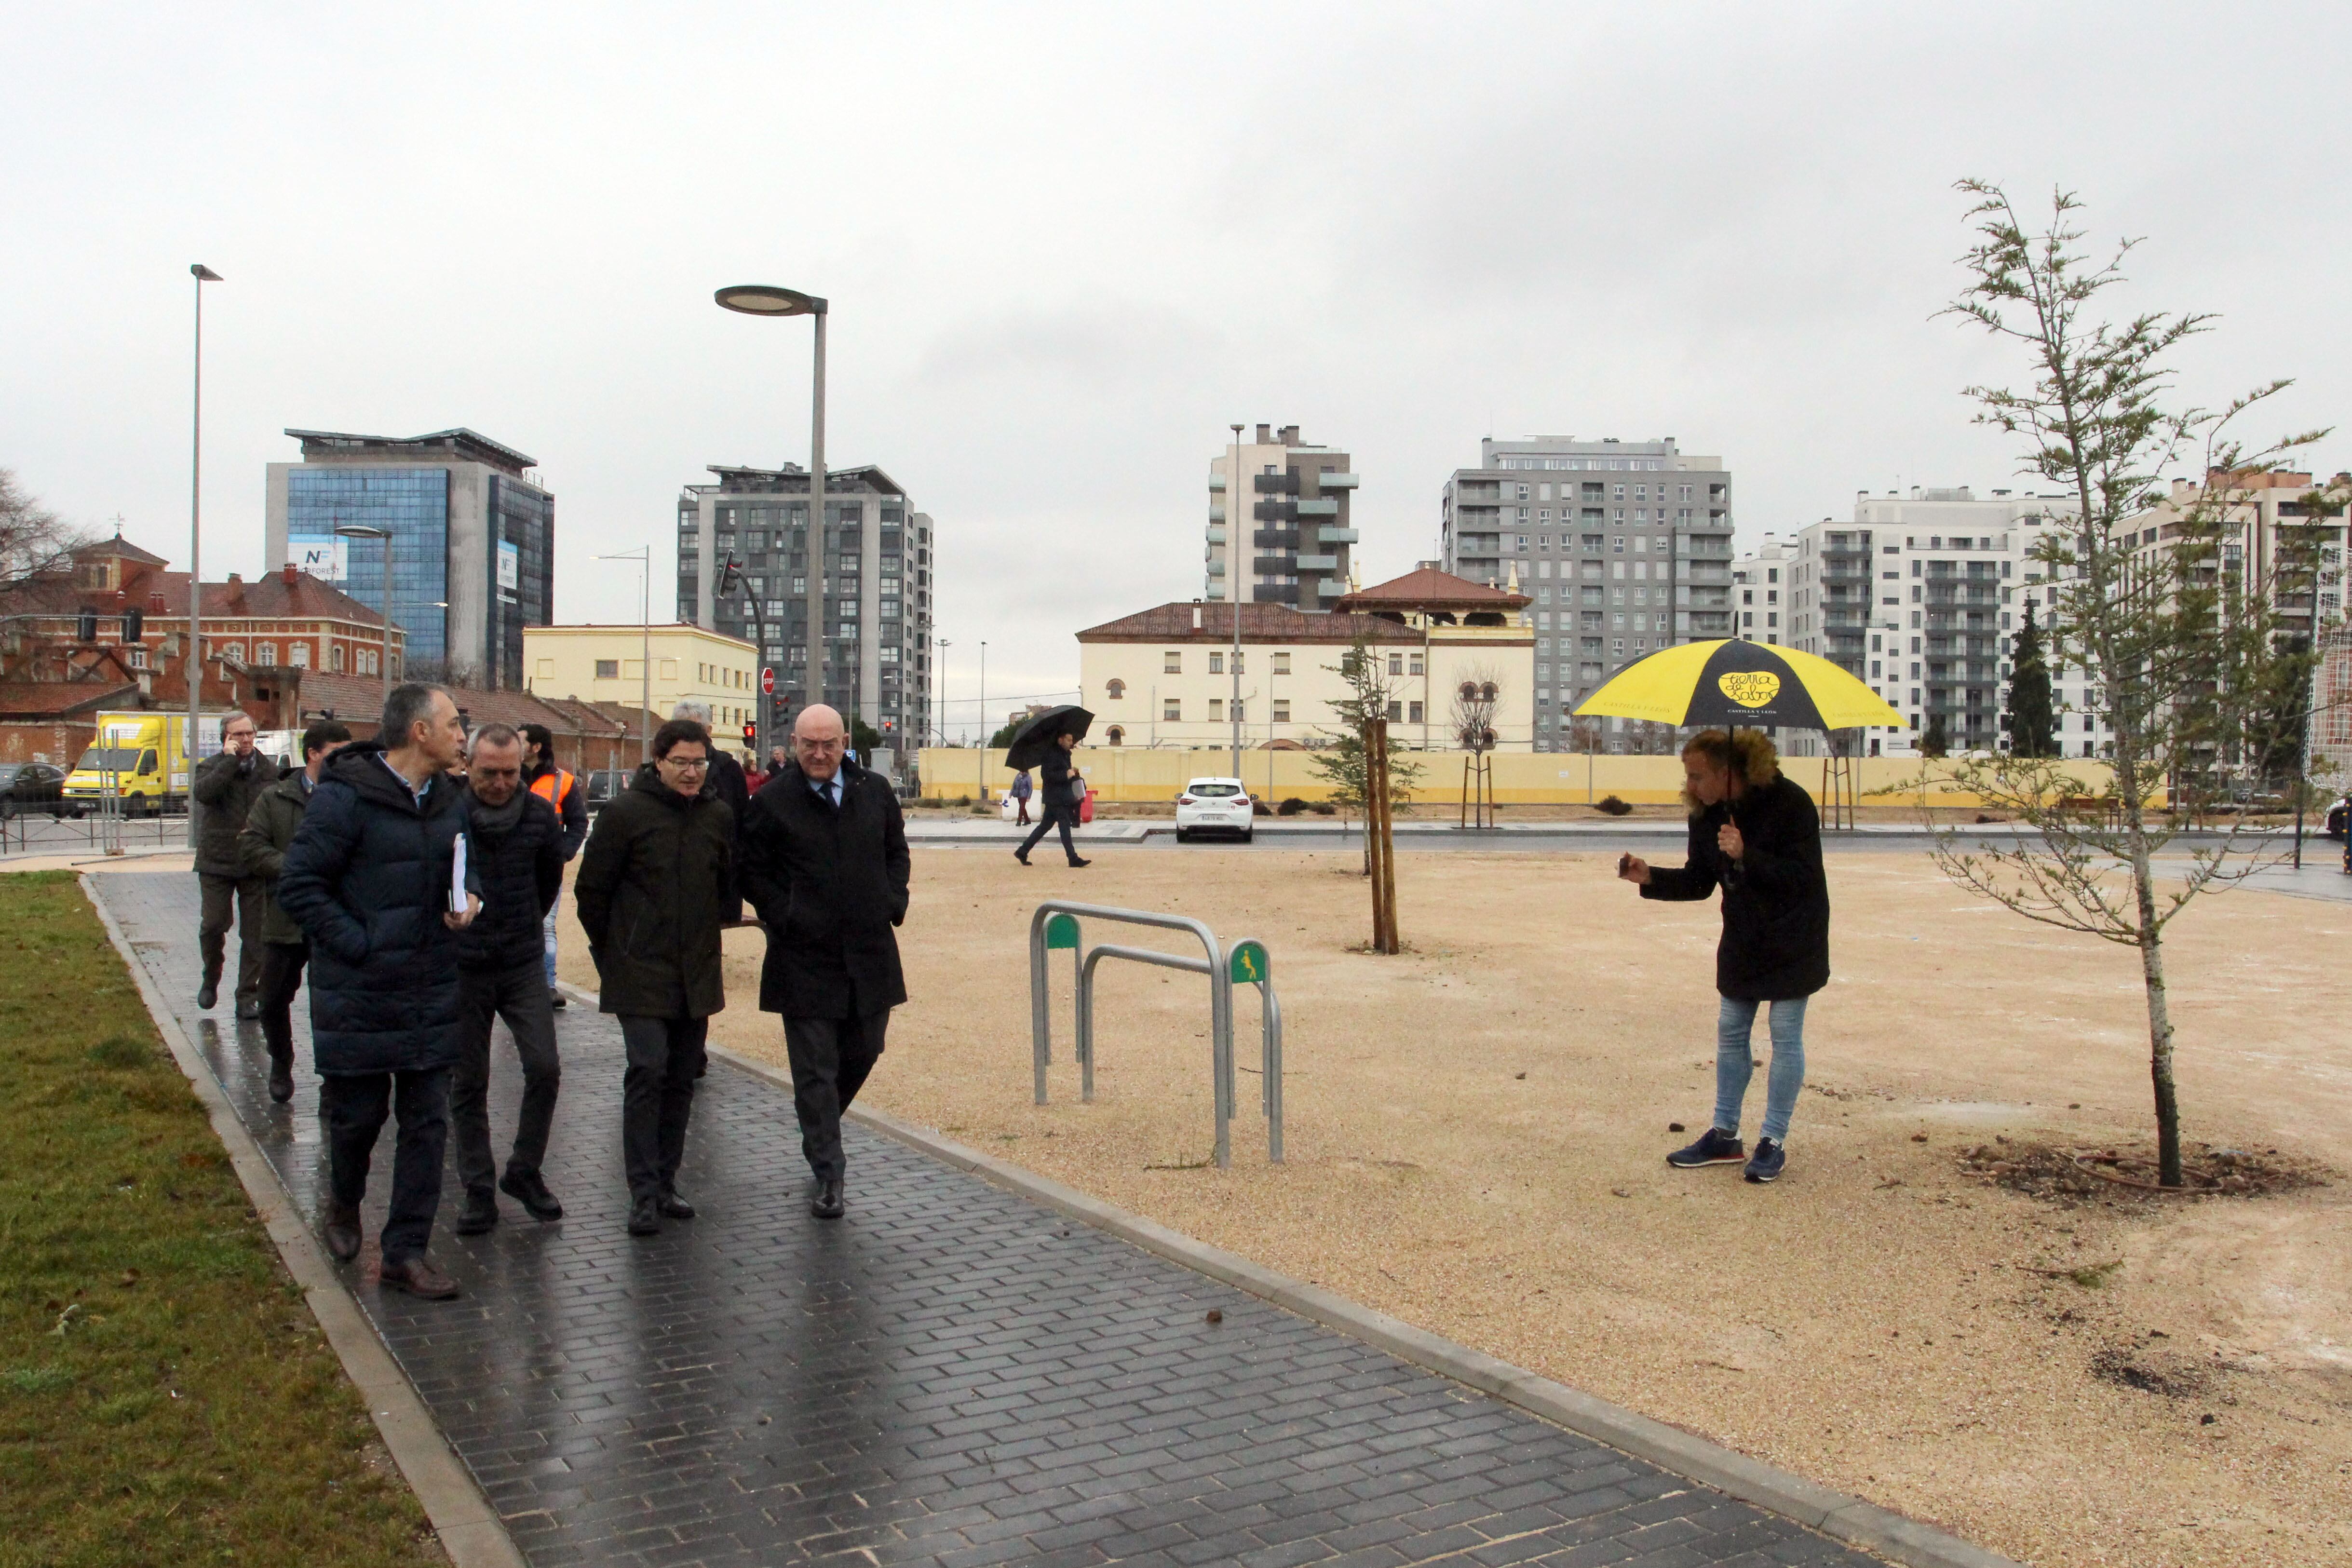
416 876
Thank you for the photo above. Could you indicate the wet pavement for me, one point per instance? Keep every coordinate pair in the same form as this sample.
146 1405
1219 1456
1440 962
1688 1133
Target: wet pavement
951 1375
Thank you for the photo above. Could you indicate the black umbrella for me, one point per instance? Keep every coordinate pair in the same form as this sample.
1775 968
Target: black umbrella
1034 739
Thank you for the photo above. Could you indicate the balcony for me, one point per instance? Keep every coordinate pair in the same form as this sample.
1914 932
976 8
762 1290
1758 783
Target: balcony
1335 536
1216 568
1216 484
1274 484
1273 565
1275 512
1338 481
1328 506
1330 588
1216 533
1275 594
1317 562
1216 512
1275 538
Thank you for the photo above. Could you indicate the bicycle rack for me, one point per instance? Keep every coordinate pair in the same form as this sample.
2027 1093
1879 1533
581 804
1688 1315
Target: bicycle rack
1055 924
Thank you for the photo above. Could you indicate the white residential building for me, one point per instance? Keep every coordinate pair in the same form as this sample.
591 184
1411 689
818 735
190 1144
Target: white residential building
1758 586
1279 522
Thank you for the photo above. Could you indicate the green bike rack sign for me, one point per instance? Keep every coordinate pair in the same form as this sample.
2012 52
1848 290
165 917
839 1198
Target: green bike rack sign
1248 966
1062 930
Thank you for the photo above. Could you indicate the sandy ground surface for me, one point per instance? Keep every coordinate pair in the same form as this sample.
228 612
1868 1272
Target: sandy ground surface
1475 1132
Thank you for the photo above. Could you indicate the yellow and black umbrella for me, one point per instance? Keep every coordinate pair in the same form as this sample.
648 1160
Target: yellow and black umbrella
1728 683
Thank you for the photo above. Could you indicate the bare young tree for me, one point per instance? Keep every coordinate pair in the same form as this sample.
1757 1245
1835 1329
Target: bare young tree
2183 642
35 541
1344 762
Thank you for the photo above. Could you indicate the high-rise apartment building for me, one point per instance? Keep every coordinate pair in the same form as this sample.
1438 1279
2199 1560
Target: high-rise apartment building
1624 545
1758 581
1921 596
470 535
876 559
1279 520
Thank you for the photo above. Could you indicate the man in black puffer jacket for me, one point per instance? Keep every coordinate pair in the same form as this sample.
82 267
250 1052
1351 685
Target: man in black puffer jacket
515 843
227 784
368 879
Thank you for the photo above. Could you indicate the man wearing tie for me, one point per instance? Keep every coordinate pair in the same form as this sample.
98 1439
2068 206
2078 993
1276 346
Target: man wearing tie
824 862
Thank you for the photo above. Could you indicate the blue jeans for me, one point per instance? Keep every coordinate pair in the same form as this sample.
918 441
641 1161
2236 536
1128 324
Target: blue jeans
547 931
1733 1065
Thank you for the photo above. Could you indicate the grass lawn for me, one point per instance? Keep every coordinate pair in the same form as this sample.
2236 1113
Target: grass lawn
165 1394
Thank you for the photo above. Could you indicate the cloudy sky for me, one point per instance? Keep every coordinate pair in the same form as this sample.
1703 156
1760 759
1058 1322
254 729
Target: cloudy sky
1066 247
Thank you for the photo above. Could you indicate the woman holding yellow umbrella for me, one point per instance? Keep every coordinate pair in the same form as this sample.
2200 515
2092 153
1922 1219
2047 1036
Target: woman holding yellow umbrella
1754 833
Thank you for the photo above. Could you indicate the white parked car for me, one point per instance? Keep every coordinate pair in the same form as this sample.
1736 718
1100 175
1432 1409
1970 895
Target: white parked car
1215 805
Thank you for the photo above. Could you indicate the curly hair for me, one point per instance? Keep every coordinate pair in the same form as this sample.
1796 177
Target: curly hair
1750 751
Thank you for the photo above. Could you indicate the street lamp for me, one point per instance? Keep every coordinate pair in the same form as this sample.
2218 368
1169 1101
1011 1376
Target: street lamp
195 663
942 710
766 300
383 600
644 555
1234 592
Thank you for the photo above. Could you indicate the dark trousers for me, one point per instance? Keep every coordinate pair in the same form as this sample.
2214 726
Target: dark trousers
657 1097
1055 814
243 893
1020 804
518 994
281 978
831 1059
355 1105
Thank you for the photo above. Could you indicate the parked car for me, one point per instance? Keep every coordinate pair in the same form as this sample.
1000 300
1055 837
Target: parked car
1215 806
34 789
2338 816
604 783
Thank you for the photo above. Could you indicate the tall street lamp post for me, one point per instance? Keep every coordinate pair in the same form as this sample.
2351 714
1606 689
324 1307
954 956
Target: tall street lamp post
644 556
942 726
1233 593
194 662
766 300
384 599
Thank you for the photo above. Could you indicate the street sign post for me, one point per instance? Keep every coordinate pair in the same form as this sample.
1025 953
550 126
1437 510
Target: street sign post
767 680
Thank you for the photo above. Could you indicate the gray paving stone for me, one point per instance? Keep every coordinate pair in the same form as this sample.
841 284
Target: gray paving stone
951 1376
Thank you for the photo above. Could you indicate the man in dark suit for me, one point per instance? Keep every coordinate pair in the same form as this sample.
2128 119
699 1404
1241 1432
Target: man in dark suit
825 863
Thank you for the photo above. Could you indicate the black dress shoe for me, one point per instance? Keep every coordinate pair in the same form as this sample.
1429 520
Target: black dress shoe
208 993
555 999
248 1008
342 1231
281 1081
1075 862
644 1217
421 1278
479 1216
673 1205
826 1203
532 1192
1021 856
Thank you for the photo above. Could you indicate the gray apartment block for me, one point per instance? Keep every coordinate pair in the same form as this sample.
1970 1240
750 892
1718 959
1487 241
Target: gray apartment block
1289 503
1625 547
876 561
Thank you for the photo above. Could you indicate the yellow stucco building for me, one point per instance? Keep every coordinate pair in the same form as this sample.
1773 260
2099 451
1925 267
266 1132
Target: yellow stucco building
1164 678
607 664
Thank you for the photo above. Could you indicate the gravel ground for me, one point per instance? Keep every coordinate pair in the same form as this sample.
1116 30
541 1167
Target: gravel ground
1475 1132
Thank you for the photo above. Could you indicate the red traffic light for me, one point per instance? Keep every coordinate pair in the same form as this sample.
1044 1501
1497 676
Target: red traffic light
750 733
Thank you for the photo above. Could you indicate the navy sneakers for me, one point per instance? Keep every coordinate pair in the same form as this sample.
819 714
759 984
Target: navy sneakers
1713 1149
1765 1165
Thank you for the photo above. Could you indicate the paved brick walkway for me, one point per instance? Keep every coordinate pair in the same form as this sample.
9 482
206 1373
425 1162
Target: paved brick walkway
952 1376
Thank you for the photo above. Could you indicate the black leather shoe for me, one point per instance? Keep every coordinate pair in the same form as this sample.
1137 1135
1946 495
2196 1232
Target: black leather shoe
208 993
1075 863
555 999
1021 856
421 1278
248 1008
826 1203
673 1205
532 1192
480 1216
342 1231
281 1081
644 1217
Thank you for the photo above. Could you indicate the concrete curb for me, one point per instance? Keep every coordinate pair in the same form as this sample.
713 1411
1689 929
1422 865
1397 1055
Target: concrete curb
469 1528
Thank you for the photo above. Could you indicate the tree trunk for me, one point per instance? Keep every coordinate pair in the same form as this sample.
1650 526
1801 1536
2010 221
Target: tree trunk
2159 1022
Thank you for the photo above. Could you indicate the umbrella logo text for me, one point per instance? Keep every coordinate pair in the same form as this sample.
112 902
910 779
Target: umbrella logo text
1750 688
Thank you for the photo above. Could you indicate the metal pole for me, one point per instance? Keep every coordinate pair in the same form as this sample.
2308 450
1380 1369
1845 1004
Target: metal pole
645 662
384 603
1234 598
193 663
986 734
812 682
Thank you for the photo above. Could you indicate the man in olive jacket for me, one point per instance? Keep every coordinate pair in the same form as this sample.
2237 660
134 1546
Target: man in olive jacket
655 876
368 879
826 864
225 787
261 848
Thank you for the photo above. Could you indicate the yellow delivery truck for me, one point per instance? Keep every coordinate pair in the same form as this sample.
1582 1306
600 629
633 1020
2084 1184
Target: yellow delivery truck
141 759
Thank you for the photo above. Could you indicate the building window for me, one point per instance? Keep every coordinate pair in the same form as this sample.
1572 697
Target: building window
1396 664
1172 710
1282 664
264 652
1216 664
1396 712
608 670
1412 664
1116 736
1116 690
1216 710
1171 663
1413 713
235 650
1282 710
335 657
368 666
299 655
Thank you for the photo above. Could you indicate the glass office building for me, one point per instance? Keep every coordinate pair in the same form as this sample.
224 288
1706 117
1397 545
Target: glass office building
470 545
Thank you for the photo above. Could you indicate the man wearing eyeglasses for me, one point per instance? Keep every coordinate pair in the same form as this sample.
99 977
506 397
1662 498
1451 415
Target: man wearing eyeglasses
826 864
653 881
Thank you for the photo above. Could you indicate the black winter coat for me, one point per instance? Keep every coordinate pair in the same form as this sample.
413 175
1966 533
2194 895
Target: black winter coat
226 786
1776 903
367 879
262 848
828 884
521 873
659 869
734 790
1055 779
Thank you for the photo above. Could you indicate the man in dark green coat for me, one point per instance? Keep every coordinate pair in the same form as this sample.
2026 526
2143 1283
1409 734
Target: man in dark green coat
261 851
225 787
653 881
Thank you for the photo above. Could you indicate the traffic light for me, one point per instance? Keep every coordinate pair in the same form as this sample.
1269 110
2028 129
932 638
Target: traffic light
750 733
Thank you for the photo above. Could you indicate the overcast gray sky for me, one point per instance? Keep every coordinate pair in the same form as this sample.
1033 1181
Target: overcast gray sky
1066 247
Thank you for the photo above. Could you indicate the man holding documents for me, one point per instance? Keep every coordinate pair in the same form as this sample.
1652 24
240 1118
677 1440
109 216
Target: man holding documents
375 880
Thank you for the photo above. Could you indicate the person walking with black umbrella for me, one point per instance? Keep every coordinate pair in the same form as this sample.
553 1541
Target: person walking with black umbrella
1045 743
1753 832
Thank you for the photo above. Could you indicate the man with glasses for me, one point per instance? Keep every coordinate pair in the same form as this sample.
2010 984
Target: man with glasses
226 785
826 864
653 881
